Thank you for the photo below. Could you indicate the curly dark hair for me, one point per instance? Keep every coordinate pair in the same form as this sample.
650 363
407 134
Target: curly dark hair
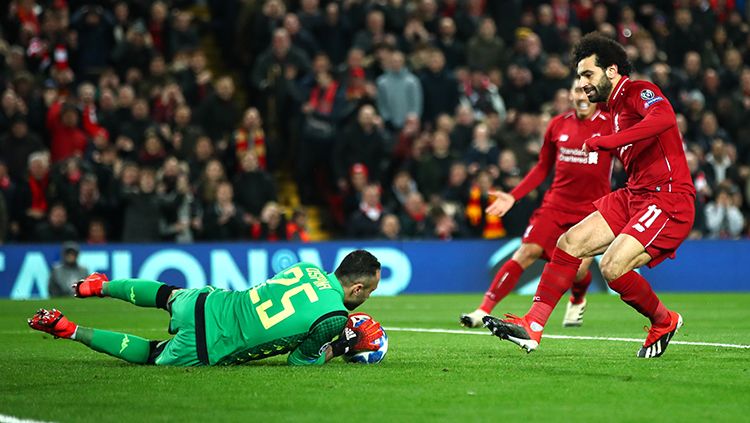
608 52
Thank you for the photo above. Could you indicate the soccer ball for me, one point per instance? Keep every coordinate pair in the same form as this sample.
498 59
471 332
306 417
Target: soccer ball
367 357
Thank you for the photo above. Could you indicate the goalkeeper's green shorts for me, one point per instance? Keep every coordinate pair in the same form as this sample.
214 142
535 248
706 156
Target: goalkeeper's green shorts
182 349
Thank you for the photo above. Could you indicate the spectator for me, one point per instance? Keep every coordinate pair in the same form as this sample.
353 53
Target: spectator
390 228
183 36
413 218
723 218
453 49
67 272
399 92
482 153
402 187
365 222
333 32
134 127
213 175
30 202
96 232
273 76
89 205
95 39
178 209
183 135
439 87
433 166
482 96
142 210
218 113
272 225
486 50
56 228
67 139
300 36
373 33
362 142
322 112
253 186
17 145
296 229
222 219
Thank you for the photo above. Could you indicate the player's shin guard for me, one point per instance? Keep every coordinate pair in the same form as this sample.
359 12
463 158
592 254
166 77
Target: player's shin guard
131 348
578 291
141 292
557 278
505 280
637 293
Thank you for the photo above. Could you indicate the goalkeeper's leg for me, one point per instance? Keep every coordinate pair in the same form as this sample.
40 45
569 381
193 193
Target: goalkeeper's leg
141 292
130 348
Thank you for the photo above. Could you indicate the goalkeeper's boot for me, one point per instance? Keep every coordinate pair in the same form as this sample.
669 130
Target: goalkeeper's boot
91 286
53 322
574 314
658 337
516 330
473 319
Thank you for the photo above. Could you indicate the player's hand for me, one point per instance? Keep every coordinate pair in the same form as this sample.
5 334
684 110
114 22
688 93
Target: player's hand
590 144
368 332
503 202
345 342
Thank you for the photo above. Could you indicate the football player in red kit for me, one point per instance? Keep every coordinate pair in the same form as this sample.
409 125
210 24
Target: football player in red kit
580 178
641 224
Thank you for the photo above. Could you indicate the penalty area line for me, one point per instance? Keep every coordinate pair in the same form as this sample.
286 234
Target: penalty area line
574 337
12 419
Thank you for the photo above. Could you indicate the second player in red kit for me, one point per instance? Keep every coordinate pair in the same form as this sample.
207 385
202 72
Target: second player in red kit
641 224
580 178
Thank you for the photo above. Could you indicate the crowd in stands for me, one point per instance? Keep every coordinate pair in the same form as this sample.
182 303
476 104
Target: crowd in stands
394 117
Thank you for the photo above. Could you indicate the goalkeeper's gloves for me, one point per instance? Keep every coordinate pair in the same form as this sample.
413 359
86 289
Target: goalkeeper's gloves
345 342
369 331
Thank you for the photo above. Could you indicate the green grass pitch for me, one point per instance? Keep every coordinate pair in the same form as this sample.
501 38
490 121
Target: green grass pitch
425 377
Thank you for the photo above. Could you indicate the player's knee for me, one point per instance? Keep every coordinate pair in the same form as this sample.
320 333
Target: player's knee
611 269
527 255
570 243
163 295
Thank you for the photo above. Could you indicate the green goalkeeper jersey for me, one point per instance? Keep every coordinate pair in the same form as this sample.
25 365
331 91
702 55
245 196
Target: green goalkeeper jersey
299 310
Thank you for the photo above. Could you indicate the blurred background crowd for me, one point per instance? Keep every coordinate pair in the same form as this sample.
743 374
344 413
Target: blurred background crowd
190 120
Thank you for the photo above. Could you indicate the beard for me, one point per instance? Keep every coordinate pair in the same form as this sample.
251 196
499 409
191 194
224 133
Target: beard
352 304
601 91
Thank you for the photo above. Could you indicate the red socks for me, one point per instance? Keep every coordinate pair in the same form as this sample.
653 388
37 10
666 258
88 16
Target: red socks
557 277
578 291
505 280
637 292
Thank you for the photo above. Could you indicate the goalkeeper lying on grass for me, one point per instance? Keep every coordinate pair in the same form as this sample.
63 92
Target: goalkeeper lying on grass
300 310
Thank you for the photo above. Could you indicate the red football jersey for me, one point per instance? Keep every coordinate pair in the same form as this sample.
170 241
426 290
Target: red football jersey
646 137
580 178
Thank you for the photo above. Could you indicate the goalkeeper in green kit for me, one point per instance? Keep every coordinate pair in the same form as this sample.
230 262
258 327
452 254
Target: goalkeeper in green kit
299 311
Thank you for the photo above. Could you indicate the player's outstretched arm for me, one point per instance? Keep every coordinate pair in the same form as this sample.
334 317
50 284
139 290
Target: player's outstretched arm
657 118
503 202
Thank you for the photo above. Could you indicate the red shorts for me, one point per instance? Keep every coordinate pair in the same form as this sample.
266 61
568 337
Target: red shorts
660 221
547 224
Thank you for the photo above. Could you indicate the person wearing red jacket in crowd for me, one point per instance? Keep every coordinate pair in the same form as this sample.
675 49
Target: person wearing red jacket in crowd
641 224
579 180
67 139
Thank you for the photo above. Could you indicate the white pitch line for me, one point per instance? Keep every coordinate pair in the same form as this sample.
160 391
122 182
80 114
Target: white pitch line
12 419
581 338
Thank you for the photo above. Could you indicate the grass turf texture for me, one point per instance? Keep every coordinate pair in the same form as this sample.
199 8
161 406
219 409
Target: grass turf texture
425 376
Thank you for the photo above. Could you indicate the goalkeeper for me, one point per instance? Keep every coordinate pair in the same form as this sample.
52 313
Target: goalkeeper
299 311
